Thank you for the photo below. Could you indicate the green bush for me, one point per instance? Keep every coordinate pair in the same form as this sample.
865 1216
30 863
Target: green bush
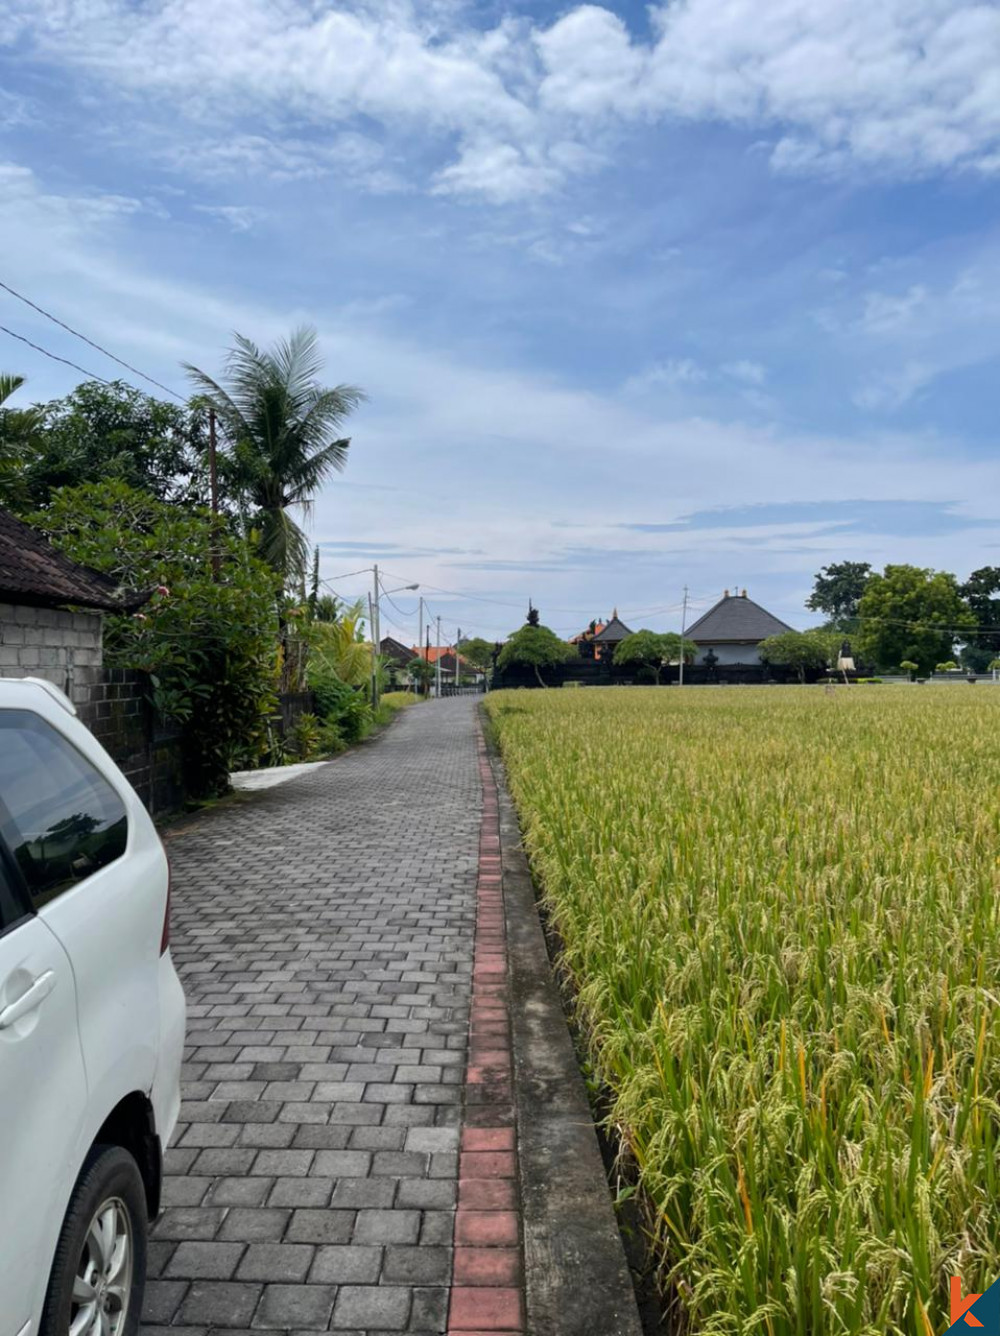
339 704
304 738
210 646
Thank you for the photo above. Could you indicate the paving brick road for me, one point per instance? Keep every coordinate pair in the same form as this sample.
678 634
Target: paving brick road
324 934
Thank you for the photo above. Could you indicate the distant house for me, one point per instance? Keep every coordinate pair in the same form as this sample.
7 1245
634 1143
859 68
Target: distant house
730 632
51 609
443 653
601 638
396 652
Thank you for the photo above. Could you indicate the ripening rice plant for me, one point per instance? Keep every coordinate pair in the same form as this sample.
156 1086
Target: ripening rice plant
781 914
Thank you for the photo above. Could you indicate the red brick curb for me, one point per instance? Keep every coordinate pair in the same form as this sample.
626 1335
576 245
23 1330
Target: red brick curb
487 1293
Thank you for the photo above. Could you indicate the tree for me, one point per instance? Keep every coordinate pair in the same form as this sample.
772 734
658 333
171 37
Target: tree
652 649
281 427
910 668
339 647
19 433
422 672
209 646
113 432
801 650
534 646
980 592
911 613
478 652
838 590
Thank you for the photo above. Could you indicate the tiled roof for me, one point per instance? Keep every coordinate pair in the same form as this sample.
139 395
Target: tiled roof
588 634
32 572
396 651
614 631
738 619
435 652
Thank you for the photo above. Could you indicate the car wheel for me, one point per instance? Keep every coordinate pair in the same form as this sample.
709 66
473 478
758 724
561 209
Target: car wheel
99 1272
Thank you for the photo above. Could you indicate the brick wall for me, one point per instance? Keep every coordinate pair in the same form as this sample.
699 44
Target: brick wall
114 703
49 643
66 648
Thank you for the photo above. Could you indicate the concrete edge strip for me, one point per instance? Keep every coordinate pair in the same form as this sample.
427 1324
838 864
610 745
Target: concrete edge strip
577 1281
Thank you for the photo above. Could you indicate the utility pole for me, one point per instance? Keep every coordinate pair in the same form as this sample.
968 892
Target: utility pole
420 634
437 663
458 650
371 619
684 618
213 482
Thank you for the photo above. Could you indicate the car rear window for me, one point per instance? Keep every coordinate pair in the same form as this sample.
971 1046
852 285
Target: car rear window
62 819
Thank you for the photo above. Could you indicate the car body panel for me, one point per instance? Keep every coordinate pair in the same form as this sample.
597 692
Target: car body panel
126 1011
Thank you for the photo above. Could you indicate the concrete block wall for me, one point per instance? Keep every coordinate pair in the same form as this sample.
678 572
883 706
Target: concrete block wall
66 648
49 642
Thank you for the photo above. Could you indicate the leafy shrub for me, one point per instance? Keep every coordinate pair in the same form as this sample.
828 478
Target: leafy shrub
303 741
339 704
210 647
331 740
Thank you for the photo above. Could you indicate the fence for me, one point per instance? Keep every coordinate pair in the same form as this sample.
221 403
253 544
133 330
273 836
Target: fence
450 689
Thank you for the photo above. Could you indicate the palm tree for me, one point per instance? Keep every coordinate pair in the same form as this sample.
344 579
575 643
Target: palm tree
19 430
282 428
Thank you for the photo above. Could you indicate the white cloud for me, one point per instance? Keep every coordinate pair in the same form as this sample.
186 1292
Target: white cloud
905 87
484 448
240 218
675 372
750 373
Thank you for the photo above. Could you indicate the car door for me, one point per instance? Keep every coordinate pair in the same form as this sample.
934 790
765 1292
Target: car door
43 1096
97 880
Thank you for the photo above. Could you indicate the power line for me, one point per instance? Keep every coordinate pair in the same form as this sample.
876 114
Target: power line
76 334
54 356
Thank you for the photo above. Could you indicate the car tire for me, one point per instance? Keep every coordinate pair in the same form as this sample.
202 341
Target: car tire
100 1259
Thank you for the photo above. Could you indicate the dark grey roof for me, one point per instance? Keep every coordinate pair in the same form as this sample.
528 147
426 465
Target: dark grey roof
396 651
614 631
735 618
32 572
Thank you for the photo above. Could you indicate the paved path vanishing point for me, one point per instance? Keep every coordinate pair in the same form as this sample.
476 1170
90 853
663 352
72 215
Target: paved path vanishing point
326 934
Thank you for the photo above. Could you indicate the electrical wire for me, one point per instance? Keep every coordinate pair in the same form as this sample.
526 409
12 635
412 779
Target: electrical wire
54 356
76 334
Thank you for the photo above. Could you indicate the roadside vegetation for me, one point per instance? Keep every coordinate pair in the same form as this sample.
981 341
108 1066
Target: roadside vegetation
198 504
780 911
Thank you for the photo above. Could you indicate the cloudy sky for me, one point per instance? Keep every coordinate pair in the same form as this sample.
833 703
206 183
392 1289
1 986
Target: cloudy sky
702 293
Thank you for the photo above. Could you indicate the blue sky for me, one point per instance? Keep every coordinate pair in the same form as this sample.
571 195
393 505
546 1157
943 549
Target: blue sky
703 293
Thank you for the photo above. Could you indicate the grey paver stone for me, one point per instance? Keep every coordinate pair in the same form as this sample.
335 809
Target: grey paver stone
255 1224
387 1227
346 1265
303 1306
276 1262
220 1303
162 1299
416 1265
205 1261
381 1307
308 1226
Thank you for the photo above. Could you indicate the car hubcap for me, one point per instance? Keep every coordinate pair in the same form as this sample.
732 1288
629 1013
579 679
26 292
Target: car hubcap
102 1283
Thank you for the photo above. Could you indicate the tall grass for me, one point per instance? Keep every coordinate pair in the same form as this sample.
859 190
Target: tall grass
781 911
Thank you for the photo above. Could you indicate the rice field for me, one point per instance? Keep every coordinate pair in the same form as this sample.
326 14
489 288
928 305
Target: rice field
781 915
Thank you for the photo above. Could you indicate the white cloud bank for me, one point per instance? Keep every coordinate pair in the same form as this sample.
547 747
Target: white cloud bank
903 87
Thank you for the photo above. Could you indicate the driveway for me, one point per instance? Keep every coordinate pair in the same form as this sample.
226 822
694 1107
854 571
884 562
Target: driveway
324 932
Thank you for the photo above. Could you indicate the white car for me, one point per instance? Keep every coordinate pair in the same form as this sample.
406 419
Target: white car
91 1025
